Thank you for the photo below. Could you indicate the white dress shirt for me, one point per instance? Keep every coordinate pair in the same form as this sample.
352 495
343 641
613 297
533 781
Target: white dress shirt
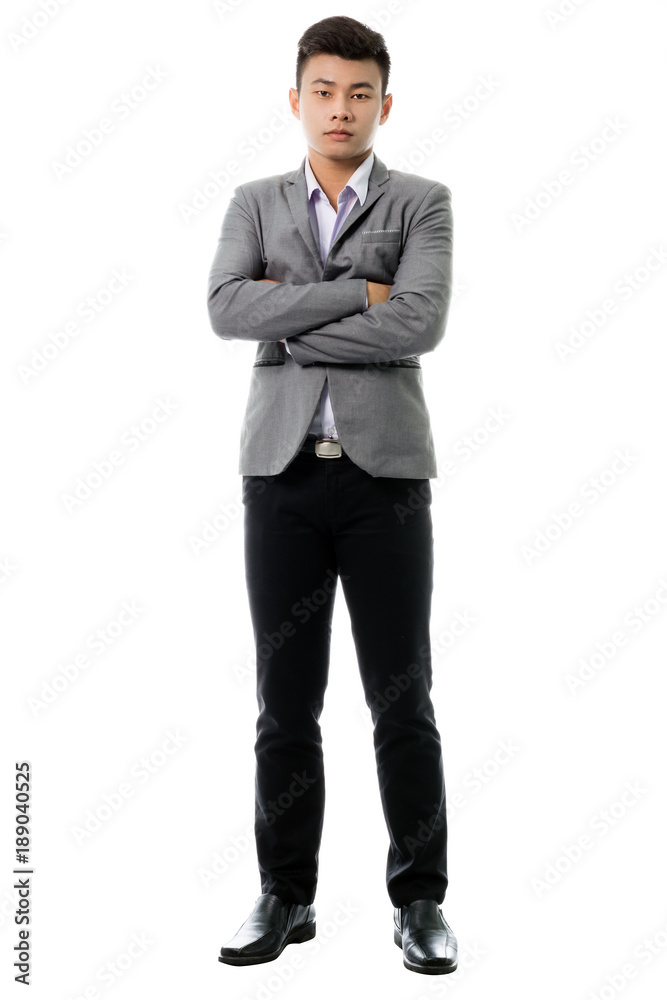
326 222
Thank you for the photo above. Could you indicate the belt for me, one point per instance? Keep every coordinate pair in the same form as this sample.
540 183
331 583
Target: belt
323 447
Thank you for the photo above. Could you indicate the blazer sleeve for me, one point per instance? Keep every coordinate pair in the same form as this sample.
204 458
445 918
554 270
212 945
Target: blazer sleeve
412 321
241 307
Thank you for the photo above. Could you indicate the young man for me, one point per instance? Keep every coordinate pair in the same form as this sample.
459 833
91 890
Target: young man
341 270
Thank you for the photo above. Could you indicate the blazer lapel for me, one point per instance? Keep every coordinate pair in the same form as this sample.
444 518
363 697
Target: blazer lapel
297 197
378 178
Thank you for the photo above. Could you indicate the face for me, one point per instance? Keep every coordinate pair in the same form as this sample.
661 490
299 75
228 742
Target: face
340 94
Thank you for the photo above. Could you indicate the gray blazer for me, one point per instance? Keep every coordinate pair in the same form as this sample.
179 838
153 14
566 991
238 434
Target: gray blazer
402 235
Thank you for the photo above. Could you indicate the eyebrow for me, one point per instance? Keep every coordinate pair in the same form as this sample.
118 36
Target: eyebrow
353 86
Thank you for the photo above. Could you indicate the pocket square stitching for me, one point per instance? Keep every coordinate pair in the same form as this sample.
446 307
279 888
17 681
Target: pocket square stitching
381 236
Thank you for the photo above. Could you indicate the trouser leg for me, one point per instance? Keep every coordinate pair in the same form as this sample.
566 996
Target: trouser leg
385 554
291 580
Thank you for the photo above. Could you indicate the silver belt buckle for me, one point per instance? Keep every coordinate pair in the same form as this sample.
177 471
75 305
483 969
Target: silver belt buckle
328 448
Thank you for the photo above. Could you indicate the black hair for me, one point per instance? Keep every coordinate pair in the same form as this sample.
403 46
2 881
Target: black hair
344 37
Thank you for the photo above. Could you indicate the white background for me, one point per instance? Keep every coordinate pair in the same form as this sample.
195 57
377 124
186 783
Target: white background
528 919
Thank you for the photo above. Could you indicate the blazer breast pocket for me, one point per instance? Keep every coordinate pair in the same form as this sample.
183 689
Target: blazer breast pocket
381 252
381 236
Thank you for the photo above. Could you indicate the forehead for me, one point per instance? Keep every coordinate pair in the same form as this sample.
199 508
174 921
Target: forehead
342 72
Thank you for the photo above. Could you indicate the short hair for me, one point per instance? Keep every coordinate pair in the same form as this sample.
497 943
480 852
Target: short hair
344 37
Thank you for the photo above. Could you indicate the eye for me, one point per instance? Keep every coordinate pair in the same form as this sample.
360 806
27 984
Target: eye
365 96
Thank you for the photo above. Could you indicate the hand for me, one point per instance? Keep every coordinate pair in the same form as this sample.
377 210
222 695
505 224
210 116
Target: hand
377 292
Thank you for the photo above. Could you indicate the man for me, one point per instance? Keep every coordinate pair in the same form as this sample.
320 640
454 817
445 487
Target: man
341 270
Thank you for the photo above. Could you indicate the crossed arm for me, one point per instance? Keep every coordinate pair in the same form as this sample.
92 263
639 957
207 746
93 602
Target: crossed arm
327 321
375 292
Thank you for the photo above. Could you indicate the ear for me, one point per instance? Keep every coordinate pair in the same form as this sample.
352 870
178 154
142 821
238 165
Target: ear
294 102
386 108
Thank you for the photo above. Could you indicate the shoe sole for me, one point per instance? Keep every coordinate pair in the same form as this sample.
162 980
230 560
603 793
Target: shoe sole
297 936
429 970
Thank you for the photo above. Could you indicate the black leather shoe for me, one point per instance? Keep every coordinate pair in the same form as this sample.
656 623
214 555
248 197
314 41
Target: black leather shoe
426 938
271 925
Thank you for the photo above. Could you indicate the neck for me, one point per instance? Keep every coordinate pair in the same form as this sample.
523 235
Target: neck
333 175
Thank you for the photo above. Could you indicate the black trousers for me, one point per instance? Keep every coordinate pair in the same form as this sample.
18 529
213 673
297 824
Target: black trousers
319 520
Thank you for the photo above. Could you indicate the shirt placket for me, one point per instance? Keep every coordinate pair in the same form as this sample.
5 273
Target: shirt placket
336 218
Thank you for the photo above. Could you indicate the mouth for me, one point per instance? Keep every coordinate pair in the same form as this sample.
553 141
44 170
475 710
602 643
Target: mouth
338 131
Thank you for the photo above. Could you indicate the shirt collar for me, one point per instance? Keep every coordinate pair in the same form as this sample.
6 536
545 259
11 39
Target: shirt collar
358 182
